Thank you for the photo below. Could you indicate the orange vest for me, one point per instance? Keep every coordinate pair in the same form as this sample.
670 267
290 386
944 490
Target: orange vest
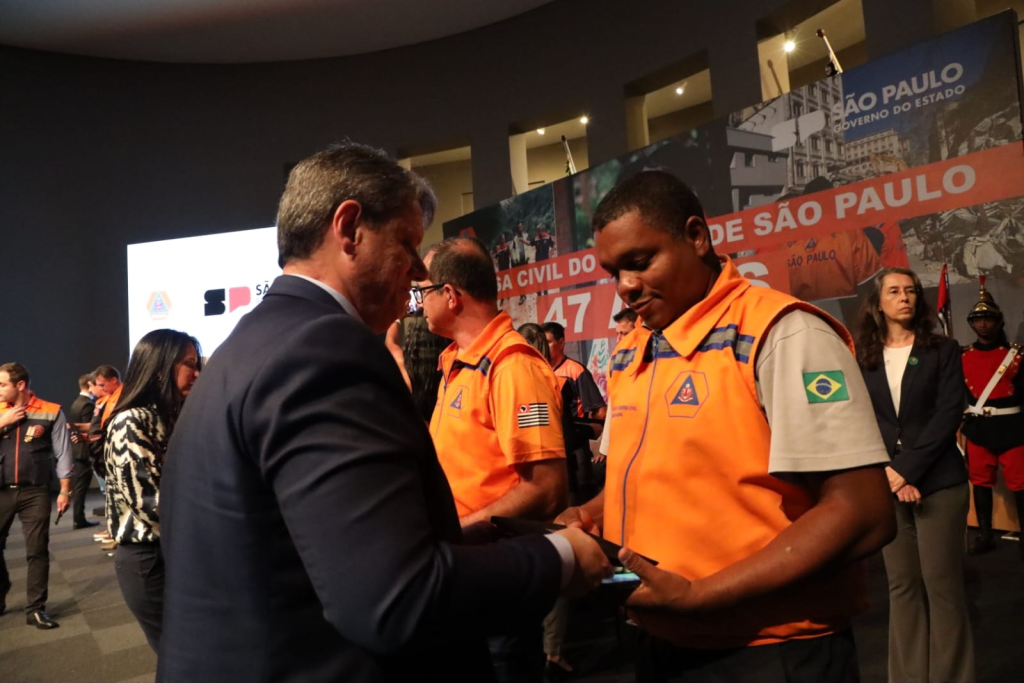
499 405
109 403
29 444
687 479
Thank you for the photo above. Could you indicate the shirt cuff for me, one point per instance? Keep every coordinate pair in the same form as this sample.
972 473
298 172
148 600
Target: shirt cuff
564 548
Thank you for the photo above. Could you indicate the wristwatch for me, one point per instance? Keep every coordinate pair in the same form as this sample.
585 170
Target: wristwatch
65 493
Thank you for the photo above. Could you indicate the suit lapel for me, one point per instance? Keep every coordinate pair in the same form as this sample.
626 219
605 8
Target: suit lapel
878 382
910 373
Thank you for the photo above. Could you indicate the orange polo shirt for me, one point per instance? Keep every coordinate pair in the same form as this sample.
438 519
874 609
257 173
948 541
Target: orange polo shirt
498 405
688 480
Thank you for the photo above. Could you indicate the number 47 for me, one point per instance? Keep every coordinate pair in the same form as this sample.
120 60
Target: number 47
557 312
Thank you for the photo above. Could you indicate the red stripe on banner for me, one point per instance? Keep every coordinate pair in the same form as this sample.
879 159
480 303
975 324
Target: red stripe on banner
986 176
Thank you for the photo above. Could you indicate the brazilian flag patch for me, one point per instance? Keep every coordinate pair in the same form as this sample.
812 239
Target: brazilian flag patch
826 387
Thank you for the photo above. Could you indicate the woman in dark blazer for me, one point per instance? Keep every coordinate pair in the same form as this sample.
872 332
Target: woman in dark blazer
916 384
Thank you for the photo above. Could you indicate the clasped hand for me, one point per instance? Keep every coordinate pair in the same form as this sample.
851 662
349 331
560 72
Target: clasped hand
905 493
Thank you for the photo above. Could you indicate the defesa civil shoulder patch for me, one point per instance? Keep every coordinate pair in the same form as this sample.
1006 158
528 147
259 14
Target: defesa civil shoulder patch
826 387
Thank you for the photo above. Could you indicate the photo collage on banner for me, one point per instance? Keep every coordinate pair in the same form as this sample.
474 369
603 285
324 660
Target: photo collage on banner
914 159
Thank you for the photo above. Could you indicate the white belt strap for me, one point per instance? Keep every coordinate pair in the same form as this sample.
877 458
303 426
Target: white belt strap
987 412
979 407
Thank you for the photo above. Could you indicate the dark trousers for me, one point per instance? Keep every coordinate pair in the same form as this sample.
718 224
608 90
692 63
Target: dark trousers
32 506
83 479
519 658
140 574
929 630
829 659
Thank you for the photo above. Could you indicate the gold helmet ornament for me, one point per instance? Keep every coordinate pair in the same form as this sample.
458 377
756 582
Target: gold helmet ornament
986 306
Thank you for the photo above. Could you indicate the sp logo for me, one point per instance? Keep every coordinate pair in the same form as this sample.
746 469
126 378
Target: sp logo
215 300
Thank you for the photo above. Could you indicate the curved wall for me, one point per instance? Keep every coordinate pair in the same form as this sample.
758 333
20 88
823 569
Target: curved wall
96 154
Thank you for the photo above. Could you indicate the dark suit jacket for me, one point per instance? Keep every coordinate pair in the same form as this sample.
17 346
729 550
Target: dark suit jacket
308 530
932 401
81 411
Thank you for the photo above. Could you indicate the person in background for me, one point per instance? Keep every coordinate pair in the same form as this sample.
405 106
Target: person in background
108 384
80 415
744 457
34 438
625 322
587 404
916 383
497 427
163 367
557 621
543 244
993 427
108 381
83 432
421 349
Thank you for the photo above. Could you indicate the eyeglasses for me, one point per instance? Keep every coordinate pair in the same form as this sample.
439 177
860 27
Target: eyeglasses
418 292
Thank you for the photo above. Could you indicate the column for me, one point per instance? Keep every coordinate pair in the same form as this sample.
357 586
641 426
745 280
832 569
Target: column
735 73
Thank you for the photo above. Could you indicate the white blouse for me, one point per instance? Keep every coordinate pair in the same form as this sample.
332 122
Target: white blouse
895 364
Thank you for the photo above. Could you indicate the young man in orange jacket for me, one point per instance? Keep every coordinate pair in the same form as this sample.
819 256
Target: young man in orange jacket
744 456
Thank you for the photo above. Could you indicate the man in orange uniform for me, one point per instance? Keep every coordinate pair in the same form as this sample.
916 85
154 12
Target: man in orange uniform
586 402
744 457
497 426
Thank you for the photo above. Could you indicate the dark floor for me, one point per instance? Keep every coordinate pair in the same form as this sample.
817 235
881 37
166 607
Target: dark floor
100 641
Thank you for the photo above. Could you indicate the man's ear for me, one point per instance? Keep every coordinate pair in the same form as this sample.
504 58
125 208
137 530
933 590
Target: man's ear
345 225
696 230
453 297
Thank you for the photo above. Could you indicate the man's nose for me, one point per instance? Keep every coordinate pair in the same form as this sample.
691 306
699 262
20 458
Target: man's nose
629 287
418 270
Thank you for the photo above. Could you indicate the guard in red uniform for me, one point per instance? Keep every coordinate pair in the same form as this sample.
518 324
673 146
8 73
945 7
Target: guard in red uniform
994 425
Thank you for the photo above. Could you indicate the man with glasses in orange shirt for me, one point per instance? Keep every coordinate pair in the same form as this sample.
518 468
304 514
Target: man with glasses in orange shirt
497 424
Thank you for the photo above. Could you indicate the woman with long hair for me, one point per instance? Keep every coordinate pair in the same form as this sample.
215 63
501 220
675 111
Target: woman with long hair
915 379
161 372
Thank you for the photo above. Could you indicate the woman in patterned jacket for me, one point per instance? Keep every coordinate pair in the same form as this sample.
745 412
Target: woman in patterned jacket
162 370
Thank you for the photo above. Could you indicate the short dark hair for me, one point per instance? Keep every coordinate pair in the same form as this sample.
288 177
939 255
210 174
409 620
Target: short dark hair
465 264
85 380
555 330
107 372
16 372
318 185
664 201
626 314
150 379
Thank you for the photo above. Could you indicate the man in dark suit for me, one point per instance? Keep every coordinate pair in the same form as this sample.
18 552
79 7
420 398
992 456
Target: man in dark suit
308 530
81 414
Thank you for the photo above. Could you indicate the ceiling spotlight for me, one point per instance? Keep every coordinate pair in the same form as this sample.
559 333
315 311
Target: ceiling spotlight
789 46
584 120
680 90
540 131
